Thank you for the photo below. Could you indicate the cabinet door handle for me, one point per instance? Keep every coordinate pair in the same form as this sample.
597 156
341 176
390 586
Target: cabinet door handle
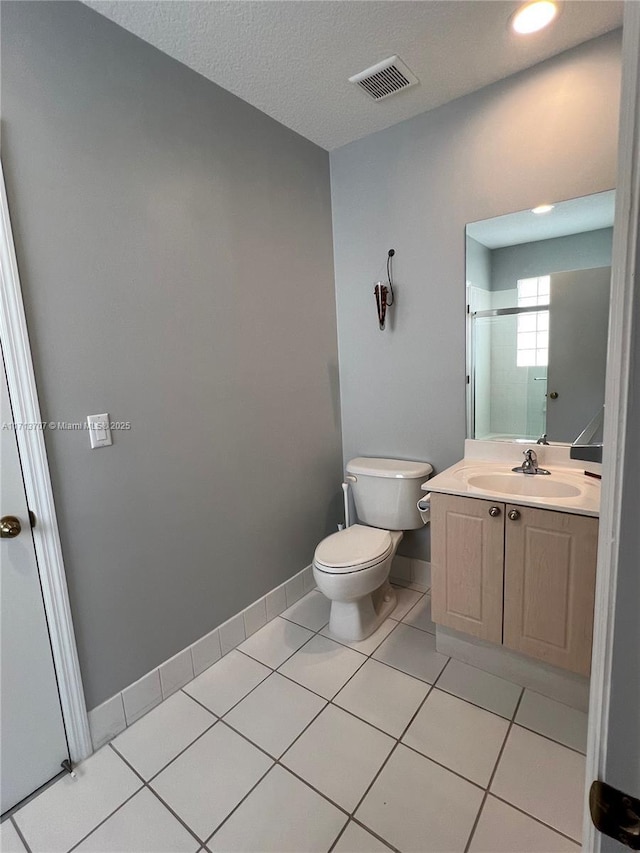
514 515
494 512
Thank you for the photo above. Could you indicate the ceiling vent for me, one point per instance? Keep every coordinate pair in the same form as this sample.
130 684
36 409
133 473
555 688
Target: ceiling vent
384 79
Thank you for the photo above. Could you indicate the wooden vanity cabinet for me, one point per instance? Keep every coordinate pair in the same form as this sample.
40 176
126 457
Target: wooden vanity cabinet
467 565
521 576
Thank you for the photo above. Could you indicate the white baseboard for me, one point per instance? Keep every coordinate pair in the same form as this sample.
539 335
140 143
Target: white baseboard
558 684
408 570
113 716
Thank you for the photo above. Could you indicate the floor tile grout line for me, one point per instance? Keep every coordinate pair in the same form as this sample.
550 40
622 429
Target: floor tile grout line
360 719
475 704
193 699
375 834
412 608
224 716
171 760
339 836
297 683
20 834
202 705
493 773
237 806
476 821
404 671
208 838
299 624
283 767
278 762
533 817
392 751
444 766
371 653
147 785
533 731
549 738
262 748
504 742
295 652
175 814
104 820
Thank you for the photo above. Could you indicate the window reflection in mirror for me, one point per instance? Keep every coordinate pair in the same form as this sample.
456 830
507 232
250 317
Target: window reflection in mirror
538 307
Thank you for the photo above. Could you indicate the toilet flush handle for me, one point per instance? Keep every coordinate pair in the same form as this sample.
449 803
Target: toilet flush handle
351 479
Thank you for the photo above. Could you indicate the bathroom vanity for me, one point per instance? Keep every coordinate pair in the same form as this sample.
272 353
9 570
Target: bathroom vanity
514 556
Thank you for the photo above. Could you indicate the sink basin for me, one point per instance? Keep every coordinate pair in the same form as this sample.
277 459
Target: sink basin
530 485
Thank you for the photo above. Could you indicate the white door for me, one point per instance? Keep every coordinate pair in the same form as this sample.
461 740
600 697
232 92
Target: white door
33 742
578 327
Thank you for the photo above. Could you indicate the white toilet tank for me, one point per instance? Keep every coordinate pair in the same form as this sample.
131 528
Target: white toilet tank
386 491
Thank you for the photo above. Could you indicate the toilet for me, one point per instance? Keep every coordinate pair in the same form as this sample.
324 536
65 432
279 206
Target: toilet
351 567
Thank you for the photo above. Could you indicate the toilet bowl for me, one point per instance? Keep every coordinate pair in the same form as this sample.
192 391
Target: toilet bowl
351 568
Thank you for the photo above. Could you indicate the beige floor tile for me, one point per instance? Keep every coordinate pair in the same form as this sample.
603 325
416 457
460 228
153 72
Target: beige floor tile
282 815
550 718
339 756
383 696
274 714
323 666
419 807
412 651
503 829
544 779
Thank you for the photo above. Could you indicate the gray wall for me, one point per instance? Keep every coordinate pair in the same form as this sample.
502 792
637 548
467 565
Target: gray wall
575 252
548 133
175 251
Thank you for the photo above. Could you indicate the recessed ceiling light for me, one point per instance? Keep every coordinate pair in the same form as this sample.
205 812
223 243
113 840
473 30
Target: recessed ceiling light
543 208
534 16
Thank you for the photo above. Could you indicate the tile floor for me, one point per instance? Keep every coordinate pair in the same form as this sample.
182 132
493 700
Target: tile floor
295 742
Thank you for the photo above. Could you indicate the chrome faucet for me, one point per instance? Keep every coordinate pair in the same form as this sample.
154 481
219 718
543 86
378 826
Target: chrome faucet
542 439
530 464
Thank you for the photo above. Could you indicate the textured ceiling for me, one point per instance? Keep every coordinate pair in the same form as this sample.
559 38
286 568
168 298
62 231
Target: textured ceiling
292 58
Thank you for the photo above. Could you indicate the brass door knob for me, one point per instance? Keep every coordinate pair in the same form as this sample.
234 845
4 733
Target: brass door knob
514 515
494 512
10 527
554 395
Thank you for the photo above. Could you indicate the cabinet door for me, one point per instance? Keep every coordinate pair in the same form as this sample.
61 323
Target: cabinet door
467 565
549 589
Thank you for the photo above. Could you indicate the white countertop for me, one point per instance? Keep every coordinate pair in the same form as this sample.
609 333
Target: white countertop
458 480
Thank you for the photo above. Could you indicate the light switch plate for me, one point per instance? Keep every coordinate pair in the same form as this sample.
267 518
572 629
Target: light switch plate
99 430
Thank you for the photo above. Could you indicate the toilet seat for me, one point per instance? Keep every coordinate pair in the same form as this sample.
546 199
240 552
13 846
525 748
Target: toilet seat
352 550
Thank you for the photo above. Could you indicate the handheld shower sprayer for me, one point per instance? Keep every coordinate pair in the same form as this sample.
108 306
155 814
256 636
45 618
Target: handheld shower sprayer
382 293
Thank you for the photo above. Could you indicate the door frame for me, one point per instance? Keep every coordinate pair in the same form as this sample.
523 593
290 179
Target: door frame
38 488
618 384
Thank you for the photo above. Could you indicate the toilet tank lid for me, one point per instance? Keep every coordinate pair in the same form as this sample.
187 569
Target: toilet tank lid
401 469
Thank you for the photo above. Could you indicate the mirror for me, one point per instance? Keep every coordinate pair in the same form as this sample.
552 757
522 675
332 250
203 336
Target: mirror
537 318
